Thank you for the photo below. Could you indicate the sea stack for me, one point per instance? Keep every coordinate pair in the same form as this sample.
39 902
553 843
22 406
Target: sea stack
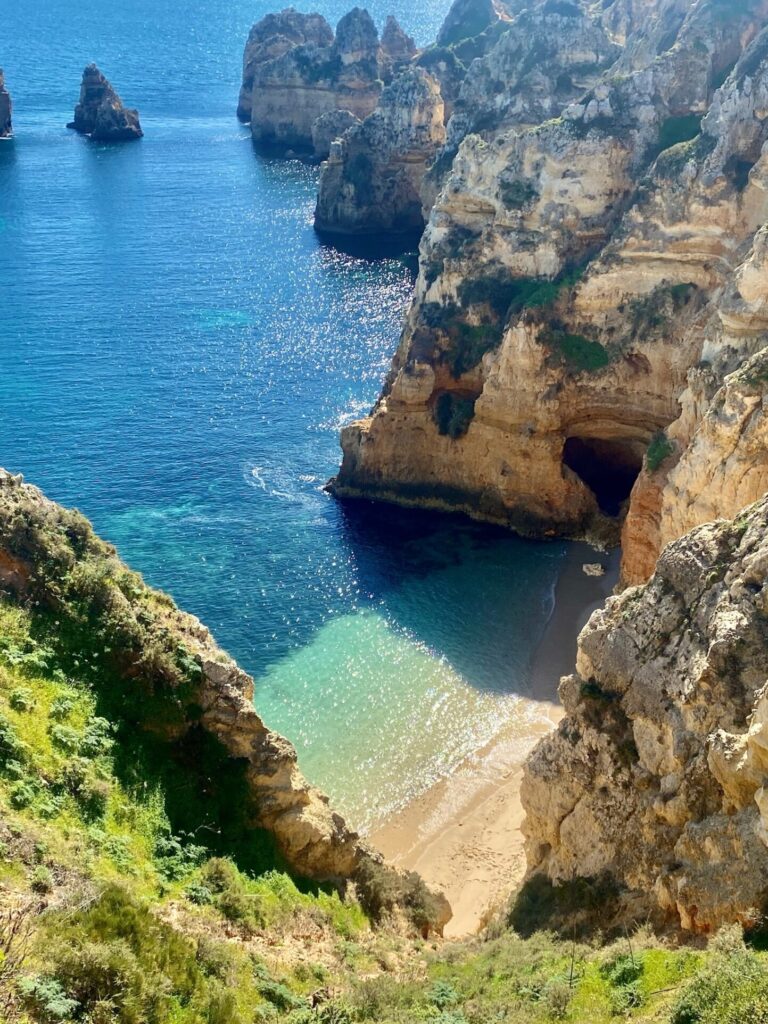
370 183
288 93
5 109
100 112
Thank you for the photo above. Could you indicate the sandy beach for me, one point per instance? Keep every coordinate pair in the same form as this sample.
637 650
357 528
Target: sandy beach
463 835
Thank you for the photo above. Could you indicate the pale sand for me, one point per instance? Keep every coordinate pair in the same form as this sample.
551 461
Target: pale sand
463 835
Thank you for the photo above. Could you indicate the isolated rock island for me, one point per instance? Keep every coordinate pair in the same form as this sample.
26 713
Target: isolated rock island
101 113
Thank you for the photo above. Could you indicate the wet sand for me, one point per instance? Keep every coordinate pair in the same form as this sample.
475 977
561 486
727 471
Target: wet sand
463 835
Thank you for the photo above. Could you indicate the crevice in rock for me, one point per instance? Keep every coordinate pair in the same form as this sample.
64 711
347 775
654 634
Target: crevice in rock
608 467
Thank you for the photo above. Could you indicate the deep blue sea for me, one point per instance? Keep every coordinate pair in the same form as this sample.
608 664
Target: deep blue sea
177 354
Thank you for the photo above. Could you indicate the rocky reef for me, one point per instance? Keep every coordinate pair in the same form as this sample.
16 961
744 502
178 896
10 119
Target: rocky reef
313 73
100 112
6 125
372 180
657 776
169 677
587 284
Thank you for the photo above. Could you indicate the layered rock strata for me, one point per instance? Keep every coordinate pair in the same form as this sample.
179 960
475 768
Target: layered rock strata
657 777
372 180
561 309
46 551
6 107
100 112
271 38
290 92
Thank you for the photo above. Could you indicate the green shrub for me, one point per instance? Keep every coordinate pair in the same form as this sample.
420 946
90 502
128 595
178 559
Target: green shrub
453 414
41 880
22 699
659 451
732 989
576 352
61 707
47 999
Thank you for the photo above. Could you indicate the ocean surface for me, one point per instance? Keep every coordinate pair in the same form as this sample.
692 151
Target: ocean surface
177 354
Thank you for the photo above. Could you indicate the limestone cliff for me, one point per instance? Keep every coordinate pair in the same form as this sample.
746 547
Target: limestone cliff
291 91
6 125
371 182
274 36
658 775
169 677
396 43
469 18
571 275
100 112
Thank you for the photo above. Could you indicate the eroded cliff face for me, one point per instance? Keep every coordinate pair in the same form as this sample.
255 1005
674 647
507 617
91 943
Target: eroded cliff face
658 775
173 678
572 278
6 126
371 182
290 91
100 112
274 36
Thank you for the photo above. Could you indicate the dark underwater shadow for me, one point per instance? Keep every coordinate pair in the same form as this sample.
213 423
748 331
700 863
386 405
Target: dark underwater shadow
476 595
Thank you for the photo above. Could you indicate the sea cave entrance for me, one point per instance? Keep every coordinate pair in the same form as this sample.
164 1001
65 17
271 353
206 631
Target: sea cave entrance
608 467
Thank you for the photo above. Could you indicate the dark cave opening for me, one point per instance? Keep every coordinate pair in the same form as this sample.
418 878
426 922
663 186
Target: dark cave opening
608 467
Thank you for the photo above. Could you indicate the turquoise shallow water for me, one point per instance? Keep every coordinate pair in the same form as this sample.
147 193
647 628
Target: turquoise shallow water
177 354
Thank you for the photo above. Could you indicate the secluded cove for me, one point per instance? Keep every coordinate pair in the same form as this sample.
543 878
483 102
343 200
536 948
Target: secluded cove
179 351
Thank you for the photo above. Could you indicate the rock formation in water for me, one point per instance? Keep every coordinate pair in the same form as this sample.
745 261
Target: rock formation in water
6 107
371 182
174 678
586 285
100 112
290 92
657 778
271 38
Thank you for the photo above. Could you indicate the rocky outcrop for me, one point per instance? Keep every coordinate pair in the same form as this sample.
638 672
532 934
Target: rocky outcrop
100 112
469 18
560 308
546 59
175 677
6 126
274 36
371 182
290 92
396 43
329 127
658 775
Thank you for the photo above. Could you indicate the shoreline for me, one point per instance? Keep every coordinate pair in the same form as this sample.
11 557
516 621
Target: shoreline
464 835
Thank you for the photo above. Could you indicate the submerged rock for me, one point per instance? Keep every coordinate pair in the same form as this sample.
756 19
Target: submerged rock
5 109
372 179
100 112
